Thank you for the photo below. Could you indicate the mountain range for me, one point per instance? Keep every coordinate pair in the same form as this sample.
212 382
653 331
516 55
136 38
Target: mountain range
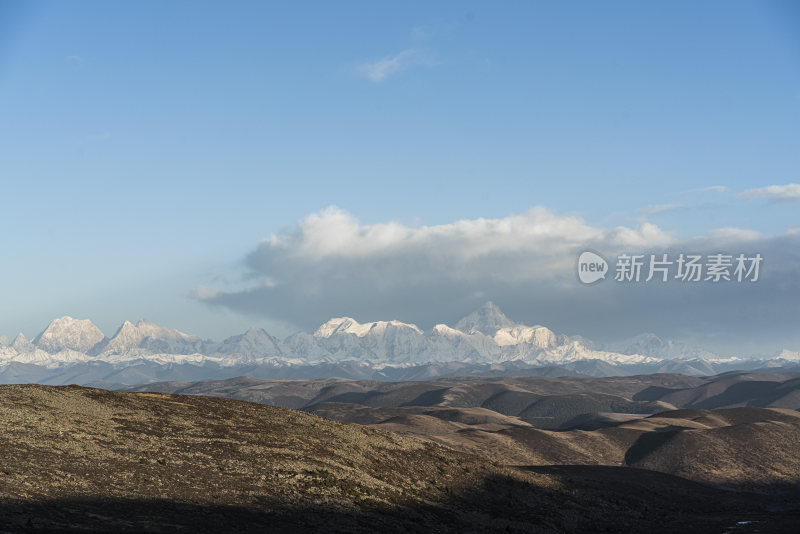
484 342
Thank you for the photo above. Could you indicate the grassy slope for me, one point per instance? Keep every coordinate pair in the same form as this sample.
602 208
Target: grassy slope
91 459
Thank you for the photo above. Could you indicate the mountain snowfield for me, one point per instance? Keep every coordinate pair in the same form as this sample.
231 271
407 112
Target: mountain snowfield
76 351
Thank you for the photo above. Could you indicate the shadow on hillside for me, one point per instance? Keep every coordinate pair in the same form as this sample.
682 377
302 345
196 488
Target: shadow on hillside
750 393
648 442
654 393
591 499
684 505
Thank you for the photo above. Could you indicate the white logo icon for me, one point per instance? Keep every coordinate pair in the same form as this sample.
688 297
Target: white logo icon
591 267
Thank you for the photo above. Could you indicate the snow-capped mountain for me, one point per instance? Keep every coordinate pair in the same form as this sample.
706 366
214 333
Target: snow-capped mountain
653 345
67 333
790 355
538 336
74 350
346 339
253 344
21 344
147 338
346 325
487 320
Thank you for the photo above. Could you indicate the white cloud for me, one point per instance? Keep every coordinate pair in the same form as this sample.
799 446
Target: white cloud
333 234
647 235
671 208
776 192
203 293
710 189
379 70
727 235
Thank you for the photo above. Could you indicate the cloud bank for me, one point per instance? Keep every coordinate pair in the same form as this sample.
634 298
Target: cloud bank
330 264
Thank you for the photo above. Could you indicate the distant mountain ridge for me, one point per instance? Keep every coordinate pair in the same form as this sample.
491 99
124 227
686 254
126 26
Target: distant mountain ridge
485 339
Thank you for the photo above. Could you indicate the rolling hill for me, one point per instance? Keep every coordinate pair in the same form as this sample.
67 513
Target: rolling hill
80 459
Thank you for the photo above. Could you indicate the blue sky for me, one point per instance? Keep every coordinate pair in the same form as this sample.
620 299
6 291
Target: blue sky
147 147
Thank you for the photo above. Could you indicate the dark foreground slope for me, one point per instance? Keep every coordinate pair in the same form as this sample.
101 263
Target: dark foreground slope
84 459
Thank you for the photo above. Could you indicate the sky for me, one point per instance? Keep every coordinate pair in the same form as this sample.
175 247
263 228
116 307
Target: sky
211 166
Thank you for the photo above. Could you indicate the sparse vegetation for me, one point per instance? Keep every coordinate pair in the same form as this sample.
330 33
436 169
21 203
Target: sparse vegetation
98 460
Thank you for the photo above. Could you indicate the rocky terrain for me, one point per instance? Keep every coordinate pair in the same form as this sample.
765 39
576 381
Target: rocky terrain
80 459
